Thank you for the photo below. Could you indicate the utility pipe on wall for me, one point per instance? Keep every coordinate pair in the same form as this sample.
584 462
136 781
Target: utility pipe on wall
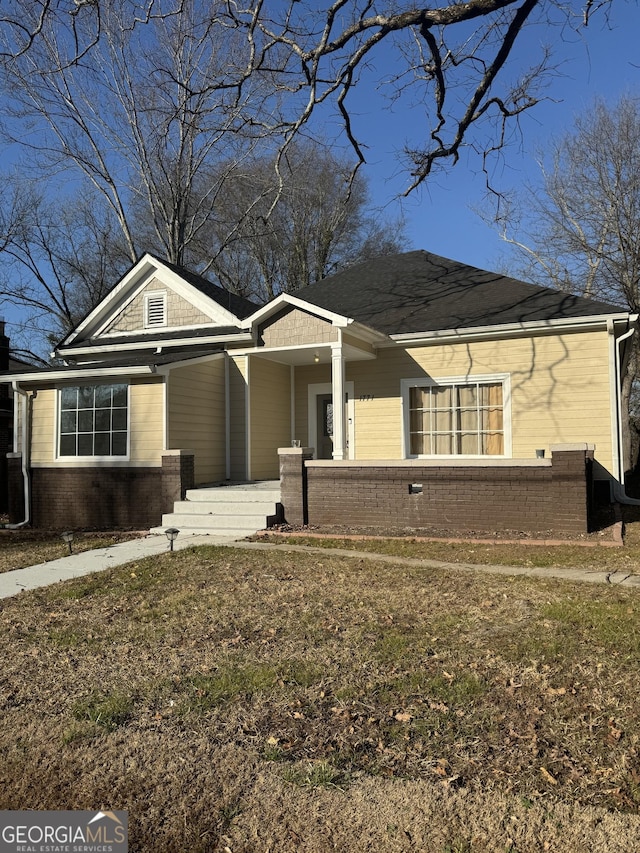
24 400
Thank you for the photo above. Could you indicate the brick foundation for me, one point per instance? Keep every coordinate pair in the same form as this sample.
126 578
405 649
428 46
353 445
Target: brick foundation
178 475
4 484
532 496
293 482
101 498
15 496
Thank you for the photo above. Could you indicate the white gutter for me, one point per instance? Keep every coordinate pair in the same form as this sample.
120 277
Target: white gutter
440 336
227 417
117 344
614 403
247 404
619 491
81 373
25 453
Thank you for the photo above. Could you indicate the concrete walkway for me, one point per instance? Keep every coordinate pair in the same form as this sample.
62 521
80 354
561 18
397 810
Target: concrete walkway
77 565
97 560
617 578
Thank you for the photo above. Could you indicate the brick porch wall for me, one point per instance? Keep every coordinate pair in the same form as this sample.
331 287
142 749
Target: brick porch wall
100 498
530 495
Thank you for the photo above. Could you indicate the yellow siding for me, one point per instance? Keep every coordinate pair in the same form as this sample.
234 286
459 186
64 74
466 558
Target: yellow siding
238 406
350 340
296 328
270 416
196 406
559 387
43 433
146 421
146 418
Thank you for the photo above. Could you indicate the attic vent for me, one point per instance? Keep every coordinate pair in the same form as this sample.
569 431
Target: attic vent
155 310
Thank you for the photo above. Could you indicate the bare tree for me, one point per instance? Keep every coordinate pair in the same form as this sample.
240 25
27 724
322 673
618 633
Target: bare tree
57 261
458 62
145 117
322 222
153 106
579 232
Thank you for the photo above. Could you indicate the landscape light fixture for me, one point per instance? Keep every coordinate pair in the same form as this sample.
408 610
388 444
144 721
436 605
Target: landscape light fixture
67 537
171 533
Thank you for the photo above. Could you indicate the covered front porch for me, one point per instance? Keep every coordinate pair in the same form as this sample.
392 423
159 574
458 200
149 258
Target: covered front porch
291 394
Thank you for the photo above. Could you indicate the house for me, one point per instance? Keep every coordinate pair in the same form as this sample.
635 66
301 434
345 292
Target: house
468 400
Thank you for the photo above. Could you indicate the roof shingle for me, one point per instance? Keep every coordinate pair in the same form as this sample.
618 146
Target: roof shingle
422 292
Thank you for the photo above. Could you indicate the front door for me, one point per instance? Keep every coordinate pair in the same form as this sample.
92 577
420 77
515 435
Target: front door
320 411
324 420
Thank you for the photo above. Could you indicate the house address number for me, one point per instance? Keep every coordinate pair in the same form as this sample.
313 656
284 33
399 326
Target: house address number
365 397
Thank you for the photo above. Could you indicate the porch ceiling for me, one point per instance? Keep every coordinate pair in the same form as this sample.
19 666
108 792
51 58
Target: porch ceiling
312 354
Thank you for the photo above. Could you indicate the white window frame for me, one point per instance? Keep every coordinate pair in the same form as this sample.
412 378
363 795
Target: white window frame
430 382
58 417
148 298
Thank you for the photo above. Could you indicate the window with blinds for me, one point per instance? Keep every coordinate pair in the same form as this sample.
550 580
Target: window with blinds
155 310
465 418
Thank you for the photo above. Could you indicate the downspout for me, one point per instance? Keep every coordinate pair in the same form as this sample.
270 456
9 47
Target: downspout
619 491
25 453
227 417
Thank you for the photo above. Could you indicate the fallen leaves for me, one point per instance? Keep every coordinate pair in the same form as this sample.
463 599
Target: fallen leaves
403 717
614 733
548 777
374 670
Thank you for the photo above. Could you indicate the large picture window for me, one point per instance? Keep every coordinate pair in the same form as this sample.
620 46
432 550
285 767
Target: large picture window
94 420
457 418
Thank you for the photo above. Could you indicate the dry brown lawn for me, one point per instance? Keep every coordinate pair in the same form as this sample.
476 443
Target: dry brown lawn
21 548
268 701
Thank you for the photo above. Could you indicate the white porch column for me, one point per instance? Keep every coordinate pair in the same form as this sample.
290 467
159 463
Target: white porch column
338 391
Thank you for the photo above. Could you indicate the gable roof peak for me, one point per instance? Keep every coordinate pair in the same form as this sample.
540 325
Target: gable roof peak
225 309
239 306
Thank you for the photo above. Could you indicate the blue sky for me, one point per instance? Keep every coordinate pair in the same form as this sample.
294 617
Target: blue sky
440 216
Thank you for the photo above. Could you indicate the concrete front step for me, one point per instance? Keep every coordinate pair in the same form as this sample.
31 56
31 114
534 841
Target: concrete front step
234 494
229 510
253 508
214 522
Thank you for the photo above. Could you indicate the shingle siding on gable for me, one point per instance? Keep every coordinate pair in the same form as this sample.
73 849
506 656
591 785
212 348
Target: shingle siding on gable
179 311
296 328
